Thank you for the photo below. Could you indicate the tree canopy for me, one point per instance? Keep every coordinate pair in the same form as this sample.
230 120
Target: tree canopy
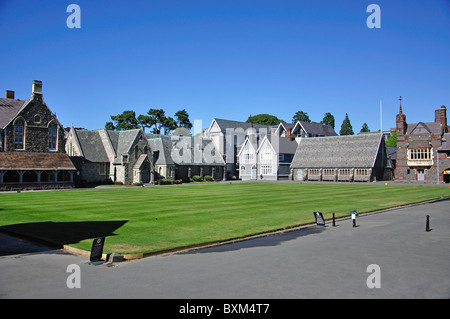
346 127
155 118
300 116
328 119
264 119
364 128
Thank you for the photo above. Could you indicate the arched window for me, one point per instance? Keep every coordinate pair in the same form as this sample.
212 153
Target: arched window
19 134
242 170
136 152
52 136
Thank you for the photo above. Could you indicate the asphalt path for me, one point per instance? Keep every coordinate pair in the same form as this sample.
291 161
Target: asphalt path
390 251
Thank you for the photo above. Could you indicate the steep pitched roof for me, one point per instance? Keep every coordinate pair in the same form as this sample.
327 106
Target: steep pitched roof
228 124
91 145
9 108
350 151
315 128
420 128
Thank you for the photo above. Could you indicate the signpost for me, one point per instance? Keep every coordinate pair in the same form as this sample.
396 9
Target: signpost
319 219
97 251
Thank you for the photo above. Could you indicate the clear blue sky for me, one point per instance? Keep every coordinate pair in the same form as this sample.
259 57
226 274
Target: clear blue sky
229 59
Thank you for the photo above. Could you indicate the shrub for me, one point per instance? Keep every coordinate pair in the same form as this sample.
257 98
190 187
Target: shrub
207 178
118 183
196 178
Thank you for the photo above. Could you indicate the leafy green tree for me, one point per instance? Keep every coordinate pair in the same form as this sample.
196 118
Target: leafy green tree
169 125
125 121
364 128
264 119
182 119
392 140
328 119
300 116
346 127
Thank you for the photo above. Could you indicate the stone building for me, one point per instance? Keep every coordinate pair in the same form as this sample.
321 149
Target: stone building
32 154
423 149
351 158
103 156
183 157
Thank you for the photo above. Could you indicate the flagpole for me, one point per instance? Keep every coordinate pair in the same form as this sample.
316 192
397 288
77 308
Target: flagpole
381 118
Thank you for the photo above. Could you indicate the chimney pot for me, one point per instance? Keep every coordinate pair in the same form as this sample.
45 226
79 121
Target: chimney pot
9 94
37 87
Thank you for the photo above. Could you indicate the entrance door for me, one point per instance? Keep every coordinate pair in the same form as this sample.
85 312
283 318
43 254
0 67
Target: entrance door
300 175
254 172
420 175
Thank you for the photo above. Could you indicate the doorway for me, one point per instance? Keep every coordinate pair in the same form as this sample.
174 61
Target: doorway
420 174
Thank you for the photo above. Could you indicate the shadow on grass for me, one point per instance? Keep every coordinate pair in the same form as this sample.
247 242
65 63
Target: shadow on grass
51 235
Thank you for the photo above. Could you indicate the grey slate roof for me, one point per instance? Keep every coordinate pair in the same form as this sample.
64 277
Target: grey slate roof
9 109
91 146
352 151
317 129
122 142
224 124
165 144
446 142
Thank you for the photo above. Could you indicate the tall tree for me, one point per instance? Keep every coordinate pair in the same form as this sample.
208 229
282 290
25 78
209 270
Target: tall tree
346 127
364 128
157 118
264 119
182 119
300 116
328 119
169 125
125 121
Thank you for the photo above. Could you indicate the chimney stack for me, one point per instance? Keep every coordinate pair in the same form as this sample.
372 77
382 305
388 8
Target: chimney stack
440 117
9 94
37 87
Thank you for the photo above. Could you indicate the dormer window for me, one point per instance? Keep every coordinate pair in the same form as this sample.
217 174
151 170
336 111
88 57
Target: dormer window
37 119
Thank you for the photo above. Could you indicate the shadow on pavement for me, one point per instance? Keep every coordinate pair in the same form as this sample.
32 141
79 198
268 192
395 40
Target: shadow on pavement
46 236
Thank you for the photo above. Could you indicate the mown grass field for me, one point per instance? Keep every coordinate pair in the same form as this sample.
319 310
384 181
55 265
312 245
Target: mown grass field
146 219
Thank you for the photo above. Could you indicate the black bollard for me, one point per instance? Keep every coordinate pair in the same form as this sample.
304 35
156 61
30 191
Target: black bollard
427 227
334 221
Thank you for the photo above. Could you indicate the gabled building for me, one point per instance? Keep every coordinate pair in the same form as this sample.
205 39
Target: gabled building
268 158
32 154
423 149
348 158
228 136
102 156
181 157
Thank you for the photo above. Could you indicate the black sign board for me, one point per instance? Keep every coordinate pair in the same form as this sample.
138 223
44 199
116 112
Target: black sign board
319 219
97 249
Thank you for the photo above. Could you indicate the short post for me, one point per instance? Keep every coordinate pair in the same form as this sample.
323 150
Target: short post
334 221
427 227
354 213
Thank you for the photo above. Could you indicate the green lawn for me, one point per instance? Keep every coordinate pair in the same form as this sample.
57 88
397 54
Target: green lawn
145 219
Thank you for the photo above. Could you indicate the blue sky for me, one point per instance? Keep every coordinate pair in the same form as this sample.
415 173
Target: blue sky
229 59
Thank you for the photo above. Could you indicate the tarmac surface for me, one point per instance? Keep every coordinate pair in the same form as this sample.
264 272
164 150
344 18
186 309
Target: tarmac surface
315 262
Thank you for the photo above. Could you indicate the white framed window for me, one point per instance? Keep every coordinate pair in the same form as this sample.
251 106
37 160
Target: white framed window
266 162
420 154
249 157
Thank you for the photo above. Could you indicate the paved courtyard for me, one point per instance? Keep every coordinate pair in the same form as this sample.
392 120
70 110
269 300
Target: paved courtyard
315 262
